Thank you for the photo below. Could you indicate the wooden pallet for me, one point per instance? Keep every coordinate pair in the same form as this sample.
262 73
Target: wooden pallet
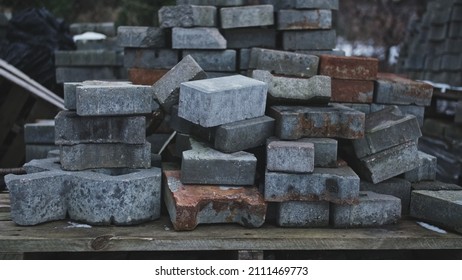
61 236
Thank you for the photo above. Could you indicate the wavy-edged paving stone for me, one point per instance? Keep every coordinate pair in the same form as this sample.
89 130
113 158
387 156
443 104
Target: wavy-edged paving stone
393 89
349 68
100 197
191 205
396 187
287 90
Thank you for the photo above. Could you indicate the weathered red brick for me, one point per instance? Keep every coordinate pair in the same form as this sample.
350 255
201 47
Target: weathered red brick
348 68
140 76
352 91
190 205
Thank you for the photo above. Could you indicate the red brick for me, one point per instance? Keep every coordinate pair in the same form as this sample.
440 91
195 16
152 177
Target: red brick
190 205
352 91
348 68
140 76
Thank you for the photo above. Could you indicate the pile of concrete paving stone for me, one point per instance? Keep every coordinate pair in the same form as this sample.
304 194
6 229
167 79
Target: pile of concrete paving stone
103 172
278 145
94 58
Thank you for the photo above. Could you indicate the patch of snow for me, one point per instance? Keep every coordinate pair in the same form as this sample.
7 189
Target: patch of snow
76 225
166 228
89 36
432 228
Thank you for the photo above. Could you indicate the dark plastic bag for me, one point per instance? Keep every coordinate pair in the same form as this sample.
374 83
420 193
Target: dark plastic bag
32 37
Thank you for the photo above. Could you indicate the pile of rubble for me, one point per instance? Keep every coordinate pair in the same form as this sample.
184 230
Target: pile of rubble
303 141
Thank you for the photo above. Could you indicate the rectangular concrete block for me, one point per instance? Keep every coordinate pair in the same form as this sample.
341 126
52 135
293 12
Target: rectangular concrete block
85 73
396 187
109 44
142 37
88 58
301 214
352 91
392 89
385 129
37 198
333 121
387 164
338 185
40 132
349 68
72 129
187 16
322 52
197 38
191 205
426 170
214 60
316 4
243 135
220 3
417 111
325 151
167 89
438 207
150 58
373 210
309 40
113 100
145 76
247 16
290 157
286 90
70 90
241 38
205 166
106 28
284 63
304 19
90 156
220 101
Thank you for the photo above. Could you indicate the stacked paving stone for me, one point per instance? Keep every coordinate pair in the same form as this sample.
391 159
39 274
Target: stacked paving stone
93 59
304 180
3 25
147 53
216 181
433 49
39 138
103 174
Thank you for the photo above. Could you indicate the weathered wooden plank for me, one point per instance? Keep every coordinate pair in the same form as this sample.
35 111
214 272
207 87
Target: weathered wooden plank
4 203
11 256
5 216
158 236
